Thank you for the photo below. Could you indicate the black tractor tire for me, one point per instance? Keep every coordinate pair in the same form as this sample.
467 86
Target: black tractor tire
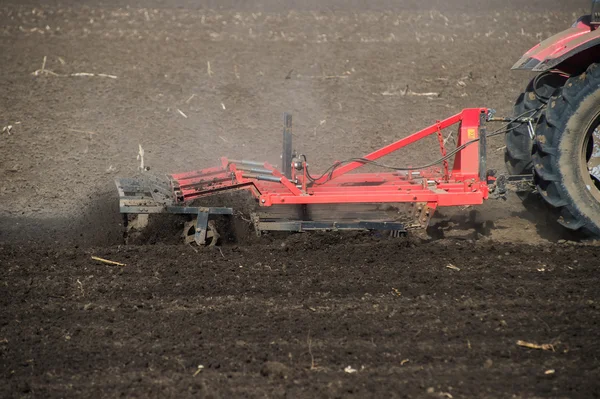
517 154
563 145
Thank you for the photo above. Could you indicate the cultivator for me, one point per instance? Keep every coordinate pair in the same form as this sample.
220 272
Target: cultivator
291 199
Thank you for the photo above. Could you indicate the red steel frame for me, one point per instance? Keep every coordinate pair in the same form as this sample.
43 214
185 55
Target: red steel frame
461 185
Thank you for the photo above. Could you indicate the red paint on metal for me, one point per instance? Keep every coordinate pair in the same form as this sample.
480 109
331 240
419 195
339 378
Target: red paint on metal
443 152
434 186
572 40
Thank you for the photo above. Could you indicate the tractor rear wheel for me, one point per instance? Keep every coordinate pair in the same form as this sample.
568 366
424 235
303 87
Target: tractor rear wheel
566 152
517 154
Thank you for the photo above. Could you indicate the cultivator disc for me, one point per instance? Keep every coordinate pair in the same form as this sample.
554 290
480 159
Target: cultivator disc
190 230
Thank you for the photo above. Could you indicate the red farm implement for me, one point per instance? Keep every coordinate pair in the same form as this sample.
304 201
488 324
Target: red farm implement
342 198
552 148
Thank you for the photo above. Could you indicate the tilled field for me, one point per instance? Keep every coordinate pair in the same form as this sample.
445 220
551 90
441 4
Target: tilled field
83 84
311 316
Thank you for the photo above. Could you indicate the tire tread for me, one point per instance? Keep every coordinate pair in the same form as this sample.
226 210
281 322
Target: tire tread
549 131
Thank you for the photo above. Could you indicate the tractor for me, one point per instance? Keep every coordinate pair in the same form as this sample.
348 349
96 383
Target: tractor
560 147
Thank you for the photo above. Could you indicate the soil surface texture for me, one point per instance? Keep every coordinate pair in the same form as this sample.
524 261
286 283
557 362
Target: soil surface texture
491 302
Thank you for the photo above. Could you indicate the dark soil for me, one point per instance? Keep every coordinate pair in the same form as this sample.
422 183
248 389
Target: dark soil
279 316
286 319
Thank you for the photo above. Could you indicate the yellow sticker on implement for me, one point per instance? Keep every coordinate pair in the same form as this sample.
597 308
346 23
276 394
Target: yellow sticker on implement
471 133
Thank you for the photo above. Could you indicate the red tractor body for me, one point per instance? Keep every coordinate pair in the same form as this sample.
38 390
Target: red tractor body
570 51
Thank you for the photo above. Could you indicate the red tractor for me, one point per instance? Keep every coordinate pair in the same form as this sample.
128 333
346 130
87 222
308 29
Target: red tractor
562 145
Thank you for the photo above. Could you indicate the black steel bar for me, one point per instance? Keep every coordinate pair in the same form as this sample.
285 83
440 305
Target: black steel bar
482 147
510 120
286 156
194 210
301 225
254 170
262 177
201 228
141 209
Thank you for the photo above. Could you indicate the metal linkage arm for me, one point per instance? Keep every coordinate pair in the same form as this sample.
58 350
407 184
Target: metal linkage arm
433 129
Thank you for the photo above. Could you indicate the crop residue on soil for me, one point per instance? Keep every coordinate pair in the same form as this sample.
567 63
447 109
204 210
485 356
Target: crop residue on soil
291 315
489 310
